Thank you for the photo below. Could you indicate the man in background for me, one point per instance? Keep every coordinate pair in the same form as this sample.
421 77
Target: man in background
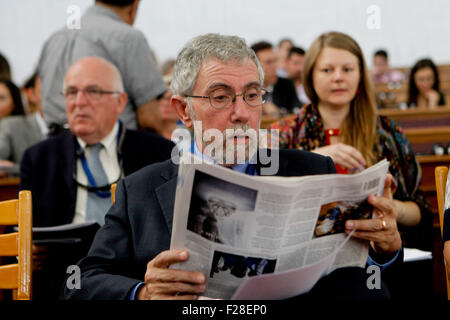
381 72
294 66
282 97
105 31
70 174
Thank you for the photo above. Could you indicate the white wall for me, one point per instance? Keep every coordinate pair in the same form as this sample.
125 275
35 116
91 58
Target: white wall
409 29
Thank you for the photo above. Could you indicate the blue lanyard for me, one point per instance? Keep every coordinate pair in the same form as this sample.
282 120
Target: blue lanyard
90 177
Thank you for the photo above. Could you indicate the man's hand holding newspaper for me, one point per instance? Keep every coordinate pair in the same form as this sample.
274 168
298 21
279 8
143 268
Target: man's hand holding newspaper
234 233
381 230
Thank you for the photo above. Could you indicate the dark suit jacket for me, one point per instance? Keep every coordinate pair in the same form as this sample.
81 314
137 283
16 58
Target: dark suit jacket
285 95
47 170
138 226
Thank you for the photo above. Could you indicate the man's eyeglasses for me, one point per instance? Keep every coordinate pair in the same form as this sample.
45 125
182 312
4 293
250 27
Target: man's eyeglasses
223 98
91 93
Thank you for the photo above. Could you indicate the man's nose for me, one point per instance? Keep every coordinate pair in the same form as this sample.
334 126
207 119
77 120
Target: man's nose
81 98
241 112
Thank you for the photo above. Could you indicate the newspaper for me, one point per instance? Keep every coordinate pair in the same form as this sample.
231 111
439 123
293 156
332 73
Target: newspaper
282 234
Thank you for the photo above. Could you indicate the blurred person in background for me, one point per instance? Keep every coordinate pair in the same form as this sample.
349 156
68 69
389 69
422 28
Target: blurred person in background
5 69
294 66
424 86
381 72
284 45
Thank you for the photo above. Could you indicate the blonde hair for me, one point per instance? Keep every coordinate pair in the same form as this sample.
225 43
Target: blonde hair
359 128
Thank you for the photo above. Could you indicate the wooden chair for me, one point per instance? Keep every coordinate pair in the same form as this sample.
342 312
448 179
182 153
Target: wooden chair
113 192
441 173
17 276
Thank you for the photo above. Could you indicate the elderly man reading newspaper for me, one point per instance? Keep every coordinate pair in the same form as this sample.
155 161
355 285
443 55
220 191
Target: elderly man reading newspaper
217 86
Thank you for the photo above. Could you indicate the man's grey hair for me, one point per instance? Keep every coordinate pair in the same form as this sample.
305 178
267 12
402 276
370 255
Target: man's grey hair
201 49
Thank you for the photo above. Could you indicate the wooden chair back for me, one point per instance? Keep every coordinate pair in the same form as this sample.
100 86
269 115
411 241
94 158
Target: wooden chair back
17 276
441 174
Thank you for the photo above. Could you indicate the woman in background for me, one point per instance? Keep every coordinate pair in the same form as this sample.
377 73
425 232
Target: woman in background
424 86
10 99
342 122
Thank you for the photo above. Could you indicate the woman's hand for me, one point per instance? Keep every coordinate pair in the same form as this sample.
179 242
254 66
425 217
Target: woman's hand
432 97
344 155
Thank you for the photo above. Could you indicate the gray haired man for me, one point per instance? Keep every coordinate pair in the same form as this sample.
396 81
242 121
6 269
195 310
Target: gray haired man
217 81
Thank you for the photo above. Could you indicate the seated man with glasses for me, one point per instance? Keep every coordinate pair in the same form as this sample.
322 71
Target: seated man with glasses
70 175
217 85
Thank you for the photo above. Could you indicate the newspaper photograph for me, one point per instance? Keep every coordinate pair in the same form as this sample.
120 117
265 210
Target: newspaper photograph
245 231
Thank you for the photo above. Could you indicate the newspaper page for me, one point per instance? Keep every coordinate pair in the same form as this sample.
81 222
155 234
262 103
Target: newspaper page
241 229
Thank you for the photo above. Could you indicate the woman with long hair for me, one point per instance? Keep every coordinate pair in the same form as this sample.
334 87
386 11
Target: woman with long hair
424 86
342 122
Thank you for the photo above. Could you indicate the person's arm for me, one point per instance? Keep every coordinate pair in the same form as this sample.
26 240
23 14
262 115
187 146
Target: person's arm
408 213
344 155
432 98
162 283
148 116
447 257
5 140
412 205
111 271
142 79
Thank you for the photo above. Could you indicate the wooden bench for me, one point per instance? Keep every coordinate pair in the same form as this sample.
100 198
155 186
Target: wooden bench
418 117
392 94
9 188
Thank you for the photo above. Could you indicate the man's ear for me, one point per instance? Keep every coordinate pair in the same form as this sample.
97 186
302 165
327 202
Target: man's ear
123 98
132 13
178 104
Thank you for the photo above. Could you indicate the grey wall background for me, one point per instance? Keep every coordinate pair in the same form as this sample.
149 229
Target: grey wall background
409 29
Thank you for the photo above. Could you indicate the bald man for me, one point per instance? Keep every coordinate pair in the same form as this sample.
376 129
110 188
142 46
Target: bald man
58 170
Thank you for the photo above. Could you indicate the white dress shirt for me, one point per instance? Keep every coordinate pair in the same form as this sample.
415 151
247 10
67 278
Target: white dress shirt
108 157
42 125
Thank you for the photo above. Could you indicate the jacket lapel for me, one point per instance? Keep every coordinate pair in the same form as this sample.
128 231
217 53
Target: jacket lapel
165 193
68 156
282 165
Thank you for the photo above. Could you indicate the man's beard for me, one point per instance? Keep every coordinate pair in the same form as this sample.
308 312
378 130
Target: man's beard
235 145
221 147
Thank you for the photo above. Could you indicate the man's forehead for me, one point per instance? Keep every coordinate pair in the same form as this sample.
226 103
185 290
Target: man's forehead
83 75
241 73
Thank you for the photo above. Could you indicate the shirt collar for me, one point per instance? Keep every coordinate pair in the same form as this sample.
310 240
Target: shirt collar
108 142
41 124
104 11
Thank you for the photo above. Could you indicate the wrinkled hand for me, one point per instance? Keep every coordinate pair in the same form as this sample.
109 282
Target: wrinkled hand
344 155
164 283
384 236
